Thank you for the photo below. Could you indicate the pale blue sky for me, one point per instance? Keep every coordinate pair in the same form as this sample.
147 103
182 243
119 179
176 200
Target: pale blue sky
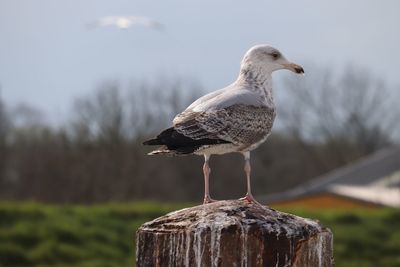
48 57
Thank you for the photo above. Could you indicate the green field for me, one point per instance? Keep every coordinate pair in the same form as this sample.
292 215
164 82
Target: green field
34 234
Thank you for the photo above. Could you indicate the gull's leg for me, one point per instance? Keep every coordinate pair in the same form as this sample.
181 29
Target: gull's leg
247 169
206 172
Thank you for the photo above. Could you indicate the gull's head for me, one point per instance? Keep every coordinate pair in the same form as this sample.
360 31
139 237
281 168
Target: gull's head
265 58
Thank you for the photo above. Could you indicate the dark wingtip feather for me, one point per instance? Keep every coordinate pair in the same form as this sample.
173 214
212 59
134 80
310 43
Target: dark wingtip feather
152 142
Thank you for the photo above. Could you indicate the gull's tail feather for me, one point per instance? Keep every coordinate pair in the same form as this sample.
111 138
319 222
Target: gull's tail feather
174 143
163 150
152 142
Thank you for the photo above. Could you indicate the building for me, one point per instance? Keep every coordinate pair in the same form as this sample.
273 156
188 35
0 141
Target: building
373 181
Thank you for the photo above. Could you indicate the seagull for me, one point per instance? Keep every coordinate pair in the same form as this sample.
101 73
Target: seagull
125 22
237 118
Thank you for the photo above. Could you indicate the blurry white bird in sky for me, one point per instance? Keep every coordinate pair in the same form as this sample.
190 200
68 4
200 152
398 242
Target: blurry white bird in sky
125 22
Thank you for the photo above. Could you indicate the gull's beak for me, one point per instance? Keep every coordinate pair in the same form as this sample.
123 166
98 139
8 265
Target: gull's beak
294 67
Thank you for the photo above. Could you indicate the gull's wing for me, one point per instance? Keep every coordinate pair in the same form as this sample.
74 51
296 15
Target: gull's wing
236 116
109 20
124 22
225 97
104 21
147 22
220 99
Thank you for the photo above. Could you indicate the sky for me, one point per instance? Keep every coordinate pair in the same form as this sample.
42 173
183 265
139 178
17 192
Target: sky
49 57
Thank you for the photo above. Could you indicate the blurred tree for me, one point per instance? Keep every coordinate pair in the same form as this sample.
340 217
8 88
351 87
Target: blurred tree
152 106
4 129
24 115
107 129
324 122
101 115
4 121
346 116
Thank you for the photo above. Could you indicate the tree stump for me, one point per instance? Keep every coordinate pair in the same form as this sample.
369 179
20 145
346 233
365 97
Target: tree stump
233 233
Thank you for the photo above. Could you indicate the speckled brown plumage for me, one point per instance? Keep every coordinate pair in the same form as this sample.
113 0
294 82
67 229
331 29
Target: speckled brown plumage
240 125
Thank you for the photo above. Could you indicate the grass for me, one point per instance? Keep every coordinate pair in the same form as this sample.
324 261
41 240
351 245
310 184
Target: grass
33 234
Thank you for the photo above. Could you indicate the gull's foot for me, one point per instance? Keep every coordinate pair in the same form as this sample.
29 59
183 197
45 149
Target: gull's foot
250 199
208 200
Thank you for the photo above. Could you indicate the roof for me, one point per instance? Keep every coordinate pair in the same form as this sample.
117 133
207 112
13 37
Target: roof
365 179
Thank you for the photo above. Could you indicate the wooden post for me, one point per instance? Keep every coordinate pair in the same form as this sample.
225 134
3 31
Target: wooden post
233 233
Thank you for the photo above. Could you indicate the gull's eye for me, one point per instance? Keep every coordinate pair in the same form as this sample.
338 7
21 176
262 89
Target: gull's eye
275 55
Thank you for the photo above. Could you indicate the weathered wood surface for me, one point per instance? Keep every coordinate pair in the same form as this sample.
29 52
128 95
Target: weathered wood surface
233 233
